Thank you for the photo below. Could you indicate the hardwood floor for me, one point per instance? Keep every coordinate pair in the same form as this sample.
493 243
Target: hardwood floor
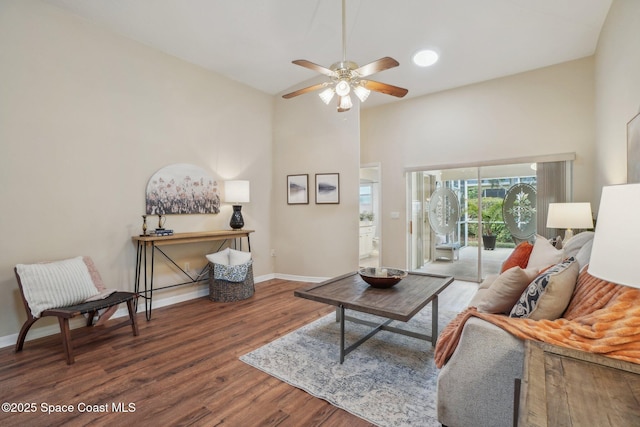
183 368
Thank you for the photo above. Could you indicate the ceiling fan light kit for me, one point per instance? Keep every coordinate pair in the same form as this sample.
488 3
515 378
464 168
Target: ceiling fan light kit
362 93
346 77
327 95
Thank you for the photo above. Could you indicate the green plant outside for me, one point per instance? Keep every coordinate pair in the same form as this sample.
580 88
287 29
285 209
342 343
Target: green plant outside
492 220
366 216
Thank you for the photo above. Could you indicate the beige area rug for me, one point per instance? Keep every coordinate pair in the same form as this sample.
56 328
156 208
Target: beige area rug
390 380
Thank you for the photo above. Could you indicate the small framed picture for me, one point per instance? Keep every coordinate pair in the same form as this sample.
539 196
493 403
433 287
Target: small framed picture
327 188
298 189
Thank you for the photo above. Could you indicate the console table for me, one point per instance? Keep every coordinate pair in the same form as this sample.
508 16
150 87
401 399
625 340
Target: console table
143 243
567 387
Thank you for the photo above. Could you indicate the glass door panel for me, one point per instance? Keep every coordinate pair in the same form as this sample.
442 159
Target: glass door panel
466 221
507 201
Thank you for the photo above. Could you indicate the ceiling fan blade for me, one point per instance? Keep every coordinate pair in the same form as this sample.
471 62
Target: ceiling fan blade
304 90
315 67
377 66
384 88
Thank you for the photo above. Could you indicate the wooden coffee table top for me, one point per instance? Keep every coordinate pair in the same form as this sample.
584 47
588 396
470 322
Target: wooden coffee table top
400 302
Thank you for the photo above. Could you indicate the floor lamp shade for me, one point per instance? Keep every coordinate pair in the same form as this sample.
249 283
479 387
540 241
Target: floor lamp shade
569 216
236 192
614 256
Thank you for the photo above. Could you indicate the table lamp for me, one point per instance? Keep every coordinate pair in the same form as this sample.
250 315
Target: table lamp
236 192
569 216
615 245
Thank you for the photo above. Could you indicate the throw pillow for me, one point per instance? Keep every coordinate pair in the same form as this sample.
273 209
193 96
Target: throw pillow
488 281
548 296
95 276
478 297
220 257
55 284
238 257
505 291
519 257
577 242
558 243
544 254
584 255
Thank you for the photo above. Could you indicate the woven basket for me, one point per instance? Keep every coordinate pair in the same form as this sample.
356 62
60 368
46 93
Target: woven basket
225 291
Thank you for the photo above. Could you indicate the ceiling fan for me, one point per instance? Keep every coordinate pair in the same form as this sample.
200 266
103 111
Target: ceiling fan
346 77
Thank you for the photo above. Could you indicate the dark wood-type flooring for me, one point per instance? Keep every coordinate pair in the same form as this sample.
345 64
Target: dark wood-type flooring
183 369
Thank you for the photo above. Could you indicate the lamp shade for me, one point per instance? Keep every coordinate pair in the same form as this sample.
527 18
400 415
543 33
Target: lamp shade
615 245
236 191
569 215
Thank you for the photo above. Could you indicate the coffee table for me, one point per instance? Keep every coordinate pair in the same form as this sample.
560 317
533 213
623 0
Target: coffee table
400 302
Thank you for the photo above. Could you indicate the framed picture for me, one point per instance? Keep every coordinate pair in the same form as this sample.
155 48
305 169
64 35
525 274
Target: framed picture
298 189
633 150
182 188
327 188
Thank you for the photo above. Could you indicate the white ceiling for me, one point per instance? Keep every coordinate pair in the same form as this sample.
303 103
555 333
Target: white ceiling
254 41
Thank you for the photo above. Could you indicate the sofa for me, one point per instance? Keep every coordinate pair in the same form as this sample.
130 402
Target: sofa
481 352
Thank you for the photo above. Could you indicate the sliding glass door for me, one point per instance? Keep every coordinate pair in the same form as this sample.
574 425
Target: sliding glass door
466 221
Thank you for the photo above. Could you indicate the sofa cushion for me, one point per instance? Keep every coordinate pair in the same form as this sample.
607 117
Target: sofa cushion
549 294
505 291
544 254
519 257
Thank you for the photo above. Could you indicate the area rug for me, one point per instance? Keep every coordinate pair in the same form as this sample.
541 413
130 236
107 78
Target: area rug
390 380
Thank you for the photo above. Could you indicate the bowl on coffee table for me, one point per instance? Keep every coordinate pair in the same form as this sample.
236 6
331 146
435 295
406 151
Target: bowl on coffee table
382 277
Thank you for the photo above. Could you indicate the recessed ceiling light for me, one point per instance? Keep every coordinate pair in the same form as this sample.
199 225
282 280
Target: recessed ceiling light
425 58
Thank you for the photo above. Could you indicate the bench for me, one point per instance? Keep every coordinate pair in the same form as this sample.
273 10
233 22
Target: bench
448 251
66 289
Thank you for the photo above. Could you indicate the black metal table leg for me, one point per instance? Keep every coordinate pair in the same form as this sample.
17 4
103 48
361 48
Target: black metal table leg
341 308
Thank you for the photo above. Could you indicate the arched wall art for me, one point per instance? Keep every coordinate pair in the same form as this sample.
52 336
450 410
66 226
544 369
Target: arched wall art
182 189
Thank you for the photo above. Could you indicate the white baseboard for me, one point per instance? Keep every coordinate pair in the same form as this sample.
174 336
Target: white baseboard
310 279
198 292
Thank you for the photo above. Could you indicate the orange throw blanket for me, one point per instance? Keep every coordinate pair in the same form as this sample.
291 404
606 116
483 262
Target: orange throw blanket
602 318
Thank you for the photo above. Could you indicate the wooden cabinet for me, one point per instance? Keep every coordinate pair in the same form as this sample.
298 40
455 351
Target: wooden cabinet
366 240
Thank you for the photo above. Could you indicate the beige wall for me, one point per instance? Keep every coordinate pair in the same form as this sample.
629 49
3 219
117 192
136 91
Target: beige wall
546 111
317 241
86 117
617 90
